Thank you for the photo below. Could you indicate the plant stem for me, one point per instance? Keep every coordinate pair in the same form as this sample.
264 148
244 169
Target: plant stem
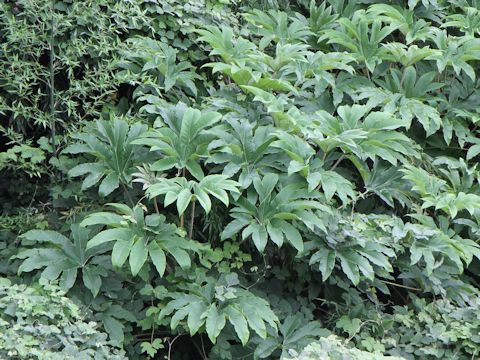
401 286
52 78
156 205
170 344
202 354
127 194
181 216
339 160
192 220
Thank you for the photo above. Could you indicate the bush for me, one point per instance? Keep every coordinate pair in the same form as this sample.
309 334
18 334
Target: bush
39 322
235 179
332 348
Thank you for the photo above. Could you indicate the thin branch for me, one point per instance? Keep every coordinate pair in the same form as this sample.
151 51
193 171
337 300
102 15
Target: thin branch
339 160
52 77
203 347
192 220
182 219
400 285
359 328
127 194
170 345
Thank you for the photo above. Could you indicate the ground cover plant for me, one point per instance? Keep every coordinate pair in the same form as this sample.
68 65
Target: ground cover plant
236 179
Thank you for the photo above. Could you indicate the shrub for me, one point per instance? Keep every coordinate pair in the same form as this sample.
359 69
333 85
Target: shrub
39 322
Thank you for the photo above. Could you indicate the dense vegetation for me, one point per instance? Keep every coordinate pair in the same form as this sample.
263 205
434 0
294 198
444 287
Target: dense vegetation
239 179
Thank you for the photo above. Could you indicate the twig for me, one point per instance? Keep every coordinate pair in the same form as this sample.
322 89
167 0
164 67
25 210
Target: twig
359 327
52 77
339 160
400 285
170 344
127 193
192 220
203 347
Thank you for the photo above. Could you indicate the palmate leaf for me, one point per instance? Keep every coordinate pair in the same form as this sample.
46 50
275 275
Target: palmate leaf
367 135
62 257
272 217
198 306
361 36
111 144
352 262
181 138
332 183
406 108
157 61
362 248
385 181
278 27
242 147
431 244
436 192
402 19
138 238
183 192
468 23
456 52
224 44
408 55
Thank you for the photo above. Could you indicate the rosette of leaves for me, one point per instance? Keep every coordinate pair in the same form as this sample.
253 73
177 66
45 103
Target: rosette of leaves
361 246
181 135
110 145
138 237
62 257
363 133
209 303
269 214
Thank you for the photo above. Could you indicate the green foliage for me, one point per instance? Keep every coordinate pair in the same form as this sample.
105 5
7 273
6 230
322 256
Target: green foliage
437 330
226 179
115 157
331 348
62 258
137 237
212 302
41 323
